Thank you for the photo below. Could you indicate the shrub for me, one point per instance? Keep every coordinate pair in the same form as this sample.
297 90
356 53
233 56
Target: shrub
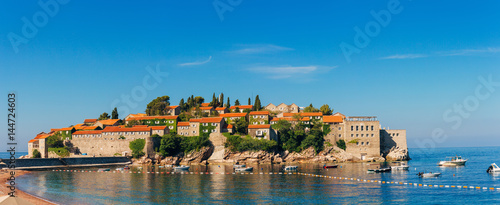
36 154
61 151
121 137
137 146
237 143
341 144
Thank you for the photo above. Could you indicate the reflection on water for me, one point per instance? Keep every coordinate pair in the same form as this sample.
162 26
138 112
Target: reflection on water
128 188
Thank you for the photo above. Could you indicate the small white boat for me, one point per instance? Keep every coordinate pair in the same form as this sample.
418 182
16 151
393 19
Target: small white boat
119 169
377 168
291 168
243 169
426 175
239 165
493 168
400 166
453 161
182 167
104 170
169 165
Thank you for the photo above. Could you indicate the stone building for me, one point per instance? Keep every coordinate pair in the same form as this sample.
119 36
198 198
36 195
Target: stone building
212 125
337 128
222 110
108 122
282 108
89 122
166 120
174 110
242 108
208 110
258 117
362 136
393 138
39 143
231 117
262 132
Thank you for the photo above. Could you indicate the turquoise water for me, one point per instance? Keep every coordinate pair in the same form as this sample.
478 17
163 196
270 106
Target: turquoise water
6 155
143 188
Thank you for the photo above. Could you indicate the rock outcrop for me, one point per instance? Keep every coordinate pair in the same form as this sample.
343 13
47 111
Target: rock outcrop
397 154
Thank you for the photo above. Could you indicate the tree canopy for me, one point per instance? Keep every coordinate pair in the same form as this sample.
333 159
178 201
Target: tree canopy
310 108
158 106
325 109
137 146
104 116
257 104
114 114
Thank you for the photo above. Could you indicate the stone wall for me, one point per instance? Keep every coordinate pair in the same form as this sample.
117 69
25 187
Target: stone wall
393 138
362 138
108 146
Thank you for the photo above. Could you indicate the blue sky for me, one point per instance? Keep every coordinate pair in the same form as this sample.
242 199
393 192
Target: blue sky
427 58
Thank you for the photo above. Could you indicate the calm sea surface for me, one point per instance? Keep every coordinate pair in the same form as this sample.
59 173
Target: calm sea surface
126 188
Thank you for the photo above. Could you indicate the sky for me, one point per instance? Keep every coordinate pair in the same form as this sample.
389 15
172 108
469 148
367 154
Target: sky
425 66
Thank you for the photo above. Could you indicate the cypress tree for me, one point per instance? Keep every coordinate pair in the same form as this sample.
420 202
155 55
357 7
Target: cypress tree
257 105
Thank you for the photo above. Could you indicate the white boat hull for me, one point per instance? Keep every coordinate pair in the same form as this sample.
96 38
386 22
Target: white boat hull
427 175
291 168
493 168
246 169
182 168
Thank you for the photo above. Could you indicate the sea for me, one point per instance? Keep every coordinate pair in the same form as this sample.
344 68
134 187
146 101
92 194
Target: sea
313 185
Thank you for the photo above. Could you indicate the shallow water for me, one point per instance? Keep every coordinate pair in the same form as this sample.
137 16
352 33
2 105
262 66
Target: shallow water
128 188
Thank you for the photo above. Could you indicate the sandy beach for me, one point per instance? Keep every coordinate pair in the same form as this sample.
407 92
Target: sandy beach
4 190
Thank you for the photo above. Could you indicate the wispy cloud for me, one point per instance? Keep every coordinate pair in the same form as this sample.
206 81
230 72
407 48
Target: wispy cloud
464 52
404 56
286 71
260 48
196 62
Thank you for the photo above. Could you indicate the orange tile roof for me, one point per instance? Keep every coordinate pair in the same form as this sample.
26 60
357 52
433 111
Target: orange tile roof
333 119
230 126
220 108
182 124
43 135
303 114
173 106
87 132
62 129
259 113
233 115
285 118
33 140
259 126
158 127
241 107
167 117
211 119
90 120
195 120
205 104
89 127
137 115
140 125
79 126
108 121
304 119
126 129
206 108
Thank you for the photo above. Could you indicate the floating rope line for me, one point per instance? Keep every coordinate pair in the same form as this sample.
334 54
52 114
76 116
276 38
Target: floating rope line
289 173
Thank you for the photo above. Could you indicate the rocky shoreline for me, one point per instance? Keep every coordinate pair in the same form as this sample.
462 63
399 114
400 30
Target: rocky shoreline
330 154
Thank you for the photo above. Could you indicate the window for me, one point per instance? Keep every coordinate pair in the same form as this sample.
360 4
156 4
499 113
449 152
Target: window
67 132
352 128
254 116
193 125
214 130
265 131
254 123
262 122
262 116
205 131
367 128
171 127
205 124
357 135
258 132
214 124
352 135
194 132
340 135
362 135
361 128
397 134
372 127
367 143
67 138
186 133
281 108
372 135
181 133
317 117
357 143
307 122
362 143
311 118
357 128
171 121
340 128
165 121
157 122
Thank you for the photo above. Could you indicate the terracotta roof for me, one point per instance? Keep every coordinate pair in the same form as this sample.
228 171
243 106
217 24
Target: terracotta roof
304 119
108 121
33 140
90 120
87 132
303 114
43 135
233 115
182 124
79 126
205 104
211 119
230 126
220 108
62 129
195 120
259 126
126 129
167 117
333 119
259 113
241 107
158 127
283 118
137 115
89 127
140 125
173 106
206 108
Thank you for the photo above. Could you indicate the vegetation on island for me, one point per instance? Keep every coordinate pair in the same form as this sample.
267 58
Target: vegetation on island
173 144
36 154
137 146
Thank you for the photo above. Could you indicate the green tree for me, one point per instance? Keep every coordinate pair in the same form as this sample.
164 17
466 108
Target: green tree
341 144
132 123
228 103
214 102
137 146
257 105
221 100
170 144
114 114
54 141
325 109
310 108
237 110
198 101
36 154
182 106
185 116
247 110
104 116
315 139
240 126
158 106
249 101
237 102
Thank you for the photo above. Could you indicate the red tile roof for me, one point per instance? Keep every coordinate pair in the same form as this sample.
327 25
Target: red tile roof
33 140
158 127
90 120
140 125
233 115
79 126
230 126
182 124
303 114
283 118
259 126
43 135
173 106
211 119
195 120
126 129
333 119
87 132
220 108
241 107
205 104
259 113
167 117
108 121
206 108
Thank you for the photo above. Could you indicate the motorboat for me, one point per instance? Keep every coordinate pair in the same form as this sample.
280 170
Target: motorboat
377 168
126 167
104 170
453 161
330 166
426 175
493 168
239 166
243 169
291 168
182 167
119 169
400 166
